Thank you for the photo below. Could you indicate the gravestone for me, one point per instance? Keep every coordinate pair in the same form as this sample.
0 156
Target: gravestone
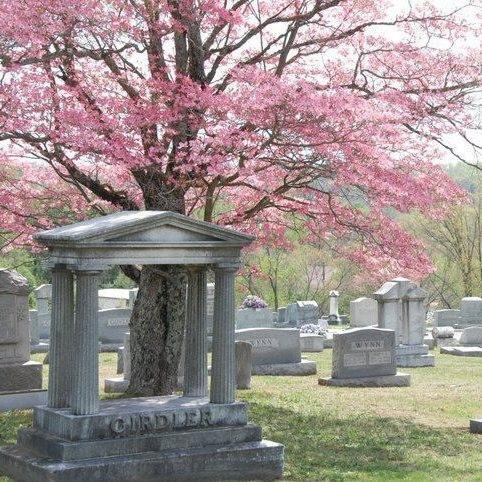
446 317
471 311
254 318
476 426
113 323
282 315
363 312
243 365
471 336
302 312
20 378
43 294
276 351
114 298
401 308
311 343
365 357
334 315
34 328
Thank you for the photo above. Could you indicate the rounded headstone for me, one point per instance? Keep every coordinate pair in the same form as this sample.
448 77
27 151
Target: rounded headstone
443 332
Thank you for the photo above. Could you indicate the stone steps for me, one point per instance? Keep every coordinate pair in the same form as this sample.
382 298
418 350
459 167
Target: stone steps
261 460
57 448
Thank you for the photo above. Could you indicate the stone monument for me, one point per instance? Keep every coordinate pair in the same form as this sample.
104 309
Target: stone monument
401 308
119 385
196 435
254 318
20 378
334 315
363 312
365 357
243 365
276 351
301 312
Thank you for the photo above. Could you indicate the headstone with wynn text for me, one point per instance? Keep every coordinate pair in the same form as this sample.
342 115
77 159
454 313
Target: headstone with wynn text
276 351
365 357
20 378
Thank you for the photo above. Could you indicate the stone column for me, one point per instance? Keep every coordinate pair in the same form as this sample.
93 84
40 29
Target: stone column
196 349
61 336
223 377
85 374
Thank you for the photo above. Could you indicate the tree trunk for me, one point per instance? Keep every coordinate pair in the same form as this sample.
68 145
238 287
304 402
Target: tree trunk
158 316
157 328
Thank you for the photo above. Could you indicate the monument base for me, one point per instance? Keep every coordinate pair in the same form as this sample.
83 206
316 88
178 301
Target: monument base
21 376
476 426
462 350
415 360
145 439
414 356
305 367
22 400
398 380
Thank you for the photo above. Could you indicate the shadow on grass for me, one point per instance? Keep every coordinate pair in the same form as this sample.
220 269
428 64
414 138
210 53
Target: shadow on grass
321 446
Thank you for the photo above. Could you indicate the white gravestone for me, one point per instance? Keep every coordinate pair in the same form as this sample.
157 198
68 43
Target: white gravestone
471 311
471 336
334 315
446 318
401 308
365 357
363 312
276 351
113 323
43 294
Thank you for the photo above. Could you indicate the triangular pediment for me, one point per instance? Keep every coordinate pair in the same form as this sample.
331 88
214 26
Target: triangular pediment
138 228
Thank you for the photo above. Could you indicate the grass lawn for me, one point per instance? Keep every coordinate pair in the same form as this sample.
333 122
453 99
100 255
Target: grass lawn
419 433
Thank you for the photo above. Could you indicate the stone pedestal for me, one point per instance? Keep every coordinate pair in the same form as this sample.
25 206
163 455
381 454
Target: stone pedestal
156 438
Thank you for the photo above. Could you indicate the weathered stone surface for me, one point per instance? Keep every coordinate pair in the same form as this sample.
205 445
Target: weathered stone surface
398 380
363 312
60 449
462 350
311 343
476 426
23 376
304 367
281 314
120 360
114 298
22 400
243 365
429 341
471 336
401 308
34 327
334 315
364 352
302 312
471 311
443 332
14 322
272 345
254 318
43 295
243 461
446 317
113 323
138 416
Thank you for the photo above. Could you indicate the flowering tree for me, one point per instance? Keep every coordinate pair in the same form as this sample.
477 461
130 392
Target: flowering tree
319 114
